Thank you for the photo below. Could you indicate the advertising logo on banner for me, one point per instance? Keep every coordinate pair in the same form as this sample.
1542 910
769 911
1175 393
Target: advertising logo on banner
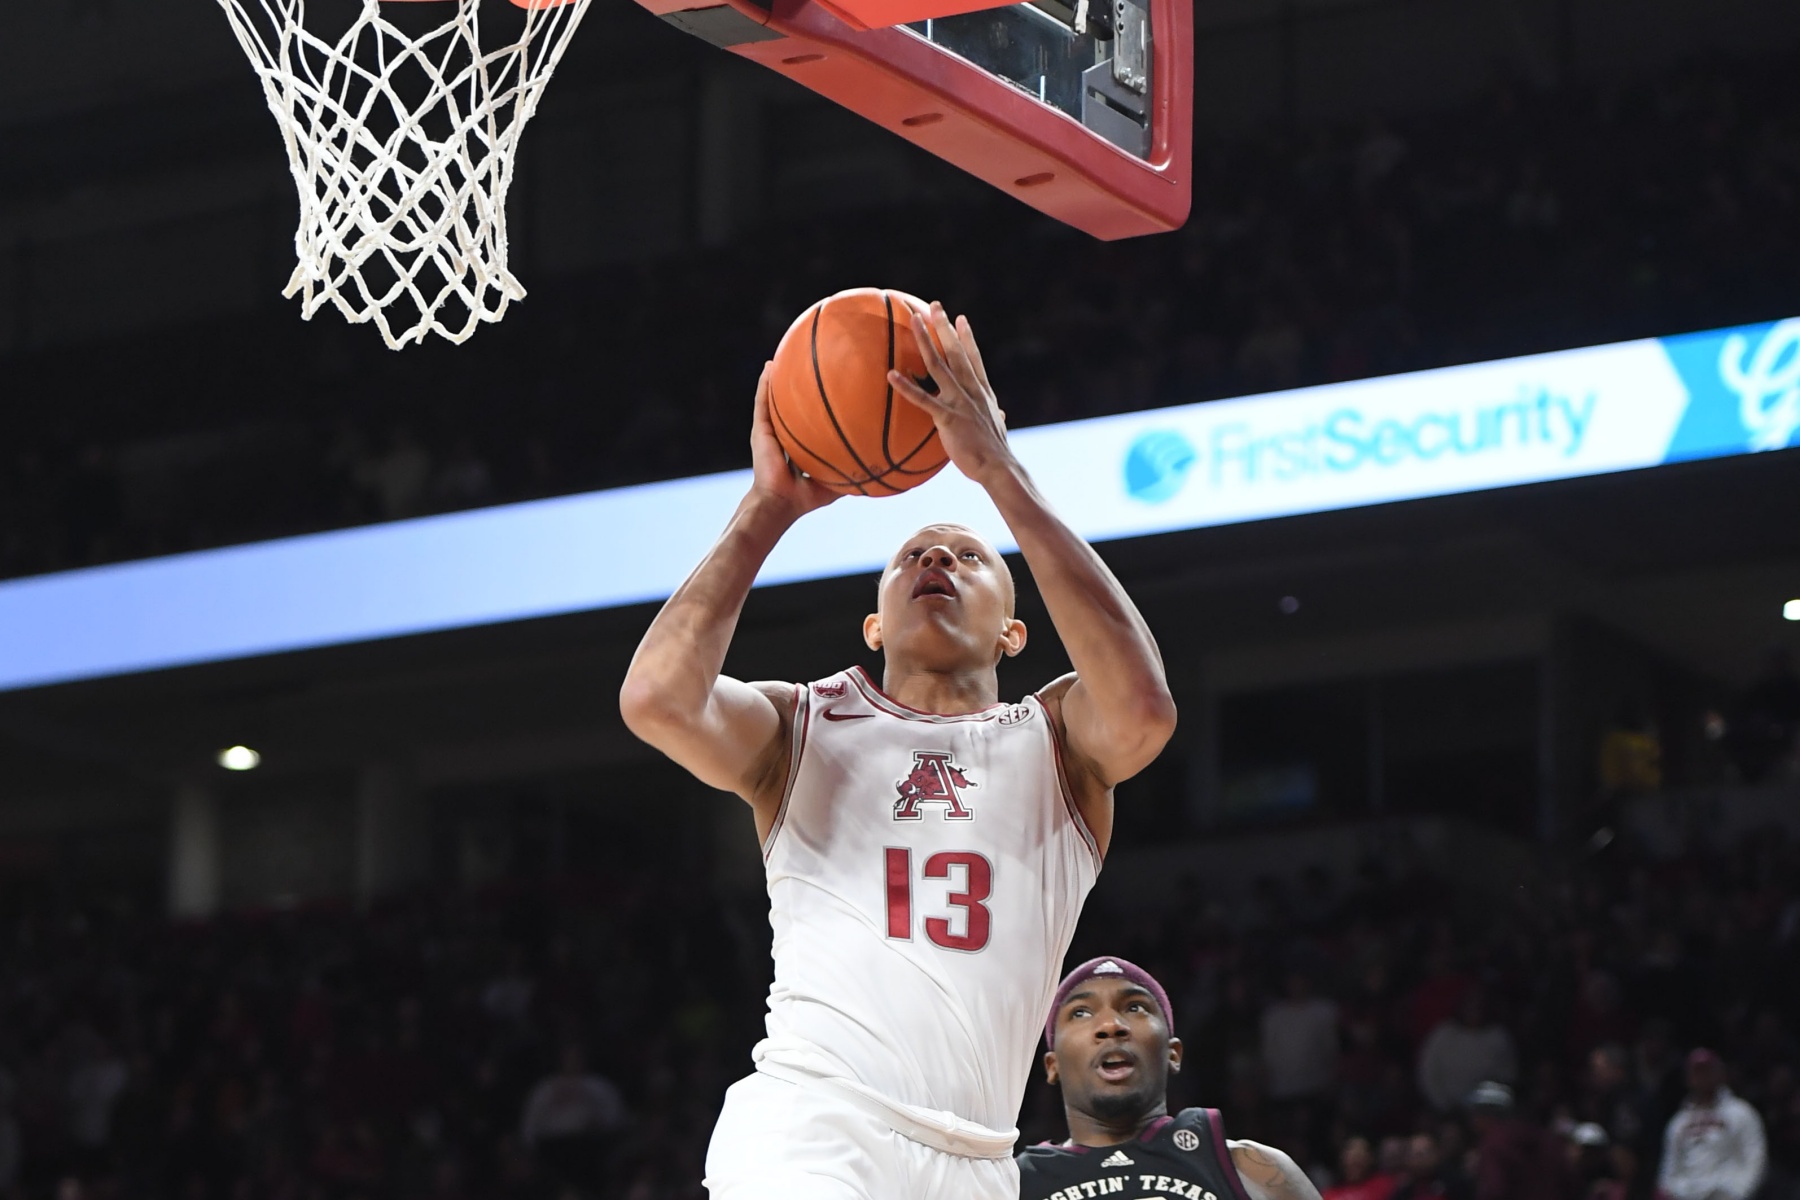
1743 387
1432 433
1731 391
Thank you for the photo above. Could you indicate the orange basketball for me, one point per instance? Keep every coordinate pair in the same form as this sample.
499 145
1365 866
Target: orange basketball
830 402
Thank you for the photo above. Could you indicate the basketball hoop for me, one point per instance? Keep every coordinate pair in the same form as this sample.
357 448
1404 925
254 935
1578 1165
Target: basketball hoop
402 148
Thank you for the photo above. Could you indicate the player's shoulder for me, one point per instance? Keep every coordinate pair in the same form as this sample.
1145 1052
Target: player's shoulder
1046 1152
786 694
1048 1167
1188 1131
1206 1119
1052 693
1194 1140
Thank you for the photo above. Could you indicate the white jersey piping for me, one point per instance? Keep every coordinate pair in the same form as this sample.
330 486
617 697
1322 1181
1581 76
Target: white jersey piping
887 704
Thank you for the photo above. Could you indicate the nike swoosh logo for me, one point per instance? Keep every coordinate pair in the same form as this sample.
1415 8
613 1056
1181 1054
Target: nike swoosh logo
834 715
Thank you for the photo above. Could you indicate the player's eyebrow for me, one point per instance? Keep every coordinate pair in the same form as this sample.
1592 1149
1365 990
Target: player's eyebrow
962 541
1131 991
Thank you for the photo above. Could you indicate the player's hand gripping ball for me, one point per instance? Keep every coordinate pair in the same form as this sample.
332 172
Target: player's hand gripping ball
833 410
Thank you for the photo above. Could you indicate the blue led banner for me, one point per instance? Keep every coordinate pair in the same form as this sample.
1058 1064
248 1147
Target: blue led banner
1432 433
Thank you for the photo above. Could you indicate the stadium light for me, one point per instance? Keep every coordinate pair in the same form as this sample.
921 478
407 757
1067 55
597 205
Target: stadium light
239 758
1791 610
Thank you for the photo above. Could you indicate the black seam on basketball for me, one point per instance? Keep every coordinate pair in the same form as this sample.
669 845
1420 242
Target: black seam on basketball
845 480
819 379
887 412
900 467
775 411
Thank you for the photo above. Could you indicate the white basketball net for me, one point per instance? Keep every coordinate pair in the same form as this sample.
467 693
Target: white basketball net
402 148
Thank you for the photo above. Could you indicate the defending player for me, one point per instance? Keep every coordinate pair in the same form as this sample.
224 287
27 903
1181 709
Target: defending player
927 847
1112 1053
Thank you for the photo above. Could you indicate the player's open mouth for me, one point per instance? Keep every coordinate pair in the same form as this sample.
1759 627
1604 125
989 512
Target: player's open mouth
1116 1065
933 582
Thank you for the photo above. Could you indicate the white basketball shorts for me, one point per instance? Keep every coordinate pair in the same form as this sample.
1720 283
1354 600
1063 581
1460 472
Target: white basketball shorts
777 1140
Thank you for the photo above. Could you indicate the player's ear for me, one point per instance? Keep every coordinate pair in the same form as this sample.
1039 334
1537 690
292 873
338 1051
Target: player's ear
1012 637
872 631
1175 1056
1050 1067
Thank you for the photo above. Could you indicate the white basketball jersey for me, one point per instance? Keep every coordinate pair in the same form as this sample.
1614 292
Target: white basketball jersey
925 875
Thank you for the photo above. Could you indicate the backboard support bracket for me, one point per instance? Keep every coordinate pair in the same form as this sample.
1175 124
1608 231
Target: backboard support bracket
1122 169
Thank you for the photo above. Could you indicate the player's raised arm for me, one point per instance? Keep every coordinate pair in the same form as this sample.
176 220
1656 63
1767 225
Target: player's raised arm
729 734
1118 713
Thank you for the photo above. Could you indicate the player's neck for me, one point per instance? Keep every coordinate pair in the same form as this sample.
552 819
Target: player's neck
945 692
1085 1129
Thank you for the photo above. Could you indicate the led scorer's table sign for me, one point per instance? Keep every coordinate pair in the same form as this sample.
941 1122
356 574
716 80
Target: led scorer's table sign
1433 433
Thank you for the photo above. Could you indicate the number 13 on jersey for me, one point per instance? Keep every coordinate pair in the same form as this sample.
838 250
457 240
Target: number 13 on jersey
977 882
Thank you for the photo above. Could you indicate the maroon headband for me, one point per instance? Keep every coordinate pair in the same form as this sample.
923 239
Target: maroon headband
1106 968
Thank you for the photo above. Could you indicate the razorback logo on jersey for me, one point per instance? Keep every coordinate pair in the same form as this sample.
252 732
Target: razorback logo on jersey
934 779
830 691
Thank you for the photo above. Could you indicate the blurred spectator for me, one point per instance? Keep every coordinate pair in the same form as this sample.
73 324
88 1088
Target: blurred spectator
1358 1177
569 1118
1600 1014
1378 155
1271 356
1437 996
1390 1160
1517 1160
399 478
95 1081
1463 1051
1613 1100
1228 1045
1300 1042
1657 1075
1299 1053
508 995
1593 1172
1423 1177
463 479
1714 1147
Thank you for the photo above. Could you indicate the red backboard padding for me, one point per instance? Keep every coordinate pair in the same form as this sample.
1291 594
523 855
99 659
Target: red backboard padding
878 14
982 124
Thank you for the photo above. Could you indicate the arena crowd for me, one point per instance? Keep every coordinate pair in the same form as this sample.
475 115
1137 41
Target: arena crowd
1524 222
1402 1036
573 1041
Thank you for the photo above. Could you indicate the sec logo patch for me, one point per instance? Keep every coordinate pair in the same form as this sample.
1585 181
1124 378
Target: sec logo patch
1186 1139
